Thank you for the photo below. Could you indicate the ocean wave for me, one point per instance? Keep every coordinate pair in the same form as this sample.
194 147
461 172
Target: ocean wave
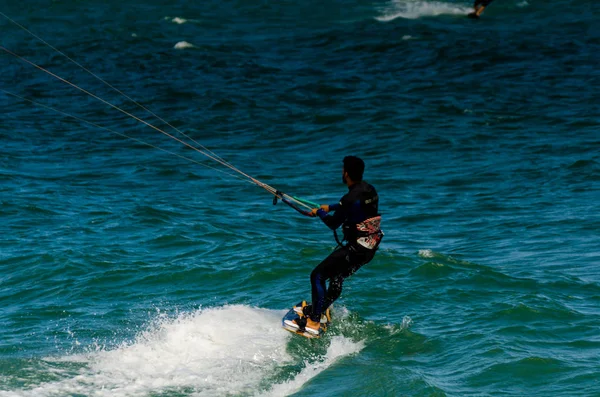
182 45
226 350
417 9
432 270
177 20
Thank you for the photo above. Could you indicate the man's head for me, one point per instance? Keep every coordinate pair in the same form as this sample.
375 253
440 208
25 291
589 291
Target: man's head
353 170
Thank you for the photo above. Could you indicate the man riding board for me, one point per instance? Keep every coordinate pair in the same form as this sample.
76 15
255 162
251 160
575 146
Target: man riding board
357 214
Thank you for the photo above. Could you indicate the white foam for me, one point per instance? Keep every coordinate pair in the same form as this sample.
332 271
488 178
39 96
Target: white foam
411 9
178 20
522 4
229 350
182 45
426 253
220 351
407 322
339 347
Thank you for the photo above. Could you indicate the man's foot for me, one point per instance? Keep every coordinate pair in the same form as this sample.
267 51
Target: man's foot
304 309
326 317
297 324
312 327
306 324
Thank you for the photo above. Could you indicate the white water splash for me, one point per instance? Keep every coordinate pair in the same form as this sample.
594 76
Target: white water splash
176 20
182 45
426 253
407 322
340 347
229 350
179 21
411 9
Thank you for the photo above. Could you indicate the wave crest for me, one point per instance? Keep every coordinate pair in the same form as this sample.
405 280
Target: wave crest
416 9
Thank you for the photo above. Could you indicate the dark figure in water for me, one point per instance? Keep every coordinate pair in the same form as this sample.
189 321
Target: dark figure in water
357 213
479 6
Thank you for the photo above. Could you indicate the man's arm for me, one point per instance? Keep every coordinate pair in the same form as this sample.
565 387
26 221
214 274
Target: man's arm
332 221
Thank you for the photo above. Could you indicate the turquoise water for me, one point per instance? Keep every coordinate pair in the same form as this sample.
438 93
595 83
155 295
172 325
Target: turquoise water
127 271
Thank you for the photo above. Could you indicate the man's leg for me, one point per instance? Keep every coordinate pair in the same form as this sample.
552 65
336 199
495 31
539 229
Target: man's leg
480 6
334 267
355 259
333 292
330 269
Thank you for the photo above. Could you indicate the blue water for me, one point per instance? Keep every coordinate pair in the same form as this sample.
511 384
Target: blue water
127 271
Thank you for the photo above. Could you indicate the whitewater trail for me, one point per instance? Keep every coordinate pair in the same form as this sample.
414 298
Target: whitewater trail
416 9
218 351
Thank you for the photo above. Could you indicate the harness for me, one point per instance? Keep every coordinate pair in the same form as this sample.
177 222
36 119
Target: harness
367 233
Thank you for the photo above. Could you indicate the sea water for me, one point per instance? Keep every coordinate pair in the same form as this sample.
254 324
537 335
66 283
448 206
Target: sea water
128 271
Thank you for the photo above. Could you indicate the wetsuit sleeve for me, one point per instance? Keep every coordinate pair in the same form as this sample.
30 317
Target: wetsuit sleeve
334 207
339 216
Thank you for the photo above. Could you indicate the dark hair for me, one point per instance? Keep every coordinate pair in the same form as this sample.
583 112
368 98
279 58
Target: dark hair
355 168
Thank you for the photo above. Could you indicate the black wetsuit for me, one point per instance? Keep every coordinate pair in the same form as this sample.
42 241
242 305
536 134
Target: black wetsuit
360 204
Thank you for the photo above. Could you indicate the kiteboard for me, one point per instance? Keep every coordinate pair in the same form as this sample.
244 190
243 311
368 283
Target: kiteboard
473 15
297 312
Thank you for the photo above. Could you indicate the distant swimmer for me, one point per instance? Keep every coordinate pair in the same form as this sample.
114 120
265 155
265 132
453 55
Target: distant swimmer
478 7
357 214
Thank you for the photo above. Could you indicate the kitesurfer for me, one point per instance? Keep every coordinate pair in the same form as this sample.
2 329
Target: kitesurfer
478 7
357 214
